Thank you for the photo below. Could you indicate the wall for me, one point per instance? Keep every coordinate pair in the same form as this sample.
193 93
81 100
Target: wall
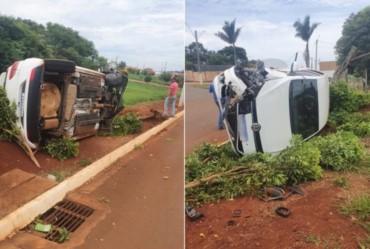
191 76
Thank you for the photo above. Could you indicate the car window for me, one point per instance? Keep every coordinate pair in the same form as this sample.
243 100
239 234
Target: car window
303 101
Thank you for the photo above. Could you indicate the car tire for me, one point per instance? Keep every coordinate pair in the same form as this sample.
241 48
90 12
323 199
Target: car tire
60 66
115 79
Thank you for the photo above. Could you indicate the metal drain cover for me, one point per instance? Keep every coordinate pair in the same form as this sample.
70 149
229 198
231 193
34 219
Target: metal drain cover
65 217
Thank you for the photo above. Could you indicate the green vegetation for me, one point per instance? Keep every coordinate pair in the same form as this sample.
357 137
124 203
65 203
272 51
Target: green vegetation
64 235
139 92
339 151
141 77
8 118
304 31
230 34
20 39
84 162
356 32
139 146
9 130
359 209
126 124
62 174
340 182
62 149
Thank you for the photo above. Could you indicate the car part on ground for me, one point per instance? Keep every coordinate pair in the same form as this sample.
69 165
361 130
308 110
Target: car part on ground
282 211
58 98
193 214
265 107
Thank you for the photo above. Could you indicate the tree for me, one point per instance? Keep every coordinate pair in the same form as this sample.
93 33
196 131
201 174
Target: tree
304 31
230 52
229 34
147 78
191 53
215 58
355 32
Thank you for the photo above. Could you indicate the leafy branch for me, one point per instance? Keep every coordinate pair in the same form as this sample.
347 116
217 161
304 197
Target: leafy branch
9 130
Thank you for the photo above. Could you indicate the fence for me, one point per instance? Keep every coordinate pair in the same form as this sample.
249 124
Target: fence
208 76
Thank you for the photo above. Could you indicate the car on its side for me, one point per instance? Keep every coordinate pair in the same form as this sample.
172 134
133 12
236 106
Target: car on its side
57 98
266 107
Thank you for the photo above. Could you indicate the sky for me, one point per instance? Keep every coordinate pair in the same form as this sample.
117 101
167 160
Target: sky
143 33
267 25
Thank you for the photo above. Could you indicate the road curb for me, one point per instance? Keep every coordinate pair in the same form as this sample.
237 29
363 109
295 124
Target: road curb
25 214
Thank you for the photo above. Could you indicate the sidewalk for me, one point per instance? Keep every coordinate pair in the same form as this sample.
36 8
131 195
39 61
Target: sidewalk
138 201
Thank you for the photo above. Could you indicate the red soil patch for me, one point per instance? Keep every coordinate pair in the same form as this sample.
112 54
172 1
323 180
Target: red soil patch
90 149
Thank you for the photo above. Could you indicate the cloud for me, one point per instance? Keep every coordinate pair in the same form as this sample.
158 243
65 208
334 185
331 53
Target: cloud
138 32
267 26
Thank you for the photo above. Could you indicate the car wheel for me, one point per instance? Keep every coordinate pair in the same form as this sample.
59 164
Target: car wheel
115 79
60 66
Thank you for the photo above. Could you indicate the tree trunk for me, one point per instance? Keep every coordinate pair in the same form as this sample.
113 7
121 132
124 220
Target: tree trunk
307 56
234 53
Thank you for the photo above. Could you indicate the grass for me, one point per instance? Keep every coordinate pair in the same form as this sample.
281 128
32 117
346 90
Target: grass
327 241
139 146
359 207
340 182
140 77
84 162
61 175
139 92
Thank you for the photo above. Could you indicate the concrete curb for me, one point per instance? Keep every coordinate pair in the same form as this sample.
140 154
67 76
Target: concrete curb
25 214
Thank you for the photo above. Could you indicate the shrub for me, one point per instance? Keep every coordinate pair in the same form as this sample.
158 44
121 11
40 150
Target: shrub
165 76
299 162
7 117
344 98
148 78
126 124
339 151
62 149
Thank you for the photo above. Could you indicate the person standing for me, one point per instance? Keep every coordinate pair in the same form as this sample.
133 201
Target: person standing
211 89
171 98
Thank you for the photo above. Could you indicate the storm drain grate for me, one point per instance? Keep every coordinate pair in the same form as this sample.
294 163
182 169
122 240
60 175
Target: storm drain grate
65 217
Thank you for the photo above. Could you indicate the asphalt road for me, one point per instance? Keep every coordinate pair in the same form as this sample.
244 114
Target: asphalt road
201 115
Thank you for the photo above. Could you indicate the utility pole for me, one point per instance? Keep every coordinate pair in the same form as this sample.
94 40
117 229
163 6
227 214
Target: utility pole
199 69
317 40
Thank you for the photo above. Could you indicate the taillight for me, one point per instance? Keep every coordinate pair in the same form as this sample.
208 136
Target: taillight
32 76
13 70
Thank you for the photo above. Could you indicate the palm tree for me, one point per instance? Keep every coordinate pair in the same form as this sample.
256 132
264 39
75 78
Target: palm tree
304 31
229 34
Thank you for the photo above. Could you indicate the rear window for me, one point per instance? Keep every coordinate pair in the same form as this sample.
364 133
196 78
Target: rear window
303 102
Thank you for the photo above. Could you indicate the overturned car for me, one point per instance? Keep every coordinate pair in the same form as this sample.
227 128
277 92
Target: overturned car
58 98
264 107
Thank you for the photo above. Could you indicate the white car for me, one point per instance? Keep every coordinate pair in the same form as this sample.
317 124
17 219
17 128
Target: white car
56 97
265 107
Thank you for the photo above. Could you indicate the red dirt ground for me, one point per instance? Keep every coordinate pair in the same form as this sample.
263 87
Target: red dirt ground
91 148
315 220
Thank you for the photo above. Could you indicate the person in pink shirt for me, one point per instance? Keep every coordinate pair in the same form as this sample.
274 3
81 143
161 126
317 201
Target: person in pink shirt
171 98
